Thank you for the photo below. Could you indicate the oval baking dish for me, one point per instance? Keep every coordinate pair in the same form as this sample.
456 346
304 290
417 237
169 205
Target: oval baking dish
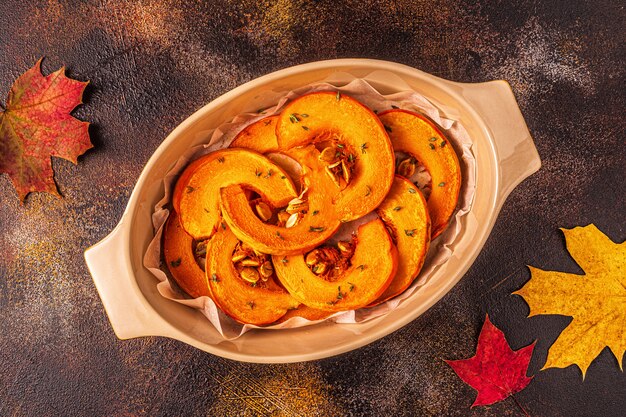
505 155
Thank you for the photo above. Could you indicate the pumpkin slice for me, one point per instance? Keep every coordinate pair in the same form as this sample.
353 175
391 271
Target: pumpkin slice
258 304
373 266
305 312
259 136
406 213
180 260
315 226
340 121
196 195
416 135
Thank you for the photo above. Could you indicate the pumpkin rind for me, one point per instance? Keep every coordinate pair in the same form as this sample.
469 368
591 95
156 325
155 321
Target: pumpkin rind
341 119
416 135
259 136
196 195
243 302
305 312
373 266
180 260
406 212
316 226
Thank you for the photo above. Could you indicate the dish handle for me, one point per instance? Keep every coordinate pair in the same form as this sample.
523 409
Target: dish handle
126 306
515 149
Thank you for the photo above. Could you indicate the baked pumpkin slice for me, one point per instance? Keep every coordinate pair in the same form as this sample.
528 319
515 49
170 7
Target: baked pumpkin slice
356 147
317 221
373 266
405 212
178 250
419 137
197 192
252 303
259 136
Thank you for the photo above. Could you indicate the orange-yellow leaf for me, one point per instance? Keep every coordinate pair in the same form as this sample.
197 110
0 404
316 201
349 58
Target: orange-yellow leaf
595 300
36 124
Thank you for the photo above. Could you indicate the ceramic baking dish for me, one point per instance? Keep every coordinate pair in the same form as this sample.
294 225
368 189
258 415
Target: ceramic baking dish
505 155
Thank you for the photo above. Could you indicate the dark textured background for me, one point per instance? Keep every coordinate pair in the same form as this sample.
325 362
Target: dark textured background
152 63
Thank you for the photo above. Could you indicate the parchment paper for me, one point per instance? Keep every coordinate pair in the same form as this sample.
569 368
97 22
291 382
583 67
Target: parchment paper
224 134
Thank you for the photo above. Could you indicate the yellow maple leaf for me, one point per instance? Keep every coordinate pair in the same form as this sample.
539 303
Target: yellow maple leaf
595 300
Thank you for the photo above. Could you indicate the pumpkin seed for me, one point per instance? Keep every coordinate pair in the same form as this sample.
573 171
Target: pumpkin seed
312 258
266 269
201 249
239 256
250 262
319 268
344 247
333 176
292 220
250 275
328 154
264 211
297 207
407 168
283 216
346 171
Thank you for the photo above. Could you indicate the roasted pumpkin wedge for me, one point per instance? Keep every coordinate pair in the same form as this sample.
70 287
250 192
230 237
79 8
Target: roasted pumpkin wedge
405 212
245 302
373 266
416 135
305 312
259 136
345 128
181 262
196 195
317 222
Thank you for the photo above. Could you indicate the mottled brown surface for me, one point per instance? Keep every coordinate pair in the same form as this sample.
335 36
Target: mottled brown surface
152 63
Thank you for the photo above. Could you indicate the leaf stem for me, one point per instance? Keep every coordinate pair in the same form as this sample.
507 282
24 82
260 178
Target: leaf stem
520 406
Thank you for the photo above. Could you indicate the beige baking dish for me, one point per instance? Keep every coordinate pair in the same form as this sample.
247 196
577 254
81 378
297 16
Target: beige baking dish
505 155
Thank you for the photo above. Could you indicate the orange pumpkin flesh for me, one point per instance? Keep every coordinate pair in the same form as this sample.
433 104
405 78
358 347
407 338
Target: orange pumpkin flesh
331 117
237 298
416 135
316 225
259 136
405 211
372 268
180 260
196 195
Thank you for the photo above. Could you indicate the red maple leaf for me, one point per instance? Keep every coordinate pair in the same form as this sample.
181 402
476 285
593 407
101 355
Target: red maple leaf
36 124
496 371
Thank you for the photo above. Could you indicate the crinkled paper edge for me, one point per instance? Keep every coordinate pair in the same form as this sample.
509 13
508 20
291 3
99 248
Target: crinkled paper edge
440 249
